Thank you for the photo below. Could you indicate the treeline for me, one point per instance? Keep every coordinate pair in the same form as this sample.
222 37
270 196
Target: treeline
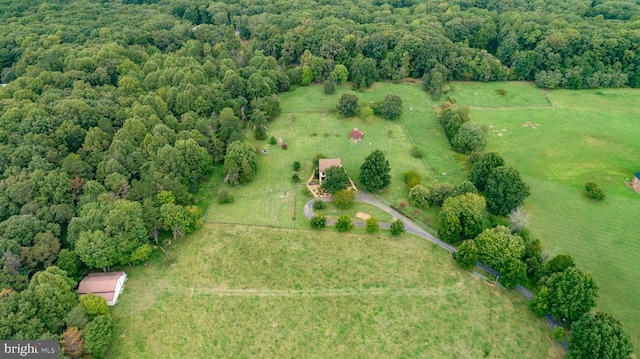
574 44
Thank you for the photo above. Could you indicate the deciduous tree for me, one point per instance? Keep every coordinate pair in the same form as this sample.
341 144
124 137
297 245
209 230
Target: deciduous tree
348 105
374 172
599 335
505 190
336 179
566 295
482 168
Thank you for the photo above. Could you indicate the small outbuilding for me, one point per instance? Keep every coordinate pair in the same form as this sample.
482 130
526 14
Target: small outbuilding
635 183
356 135
107 285
324 164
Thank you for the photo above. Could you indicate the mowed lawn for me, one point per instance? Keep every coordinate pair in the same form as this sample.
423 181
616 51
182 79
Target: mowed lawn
236 291
309 125
591 135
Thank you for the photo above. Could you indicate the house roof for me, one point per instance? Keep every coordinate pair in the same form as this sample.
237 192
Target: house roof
102 284
356 133
325 163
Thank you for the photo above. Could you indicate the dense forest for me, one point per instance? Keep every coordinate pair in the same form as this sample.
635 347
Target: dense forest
113 112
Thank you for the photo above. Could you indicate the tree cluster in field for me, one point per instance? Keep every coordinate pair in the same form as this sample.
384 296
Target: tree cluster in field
464 136
390 107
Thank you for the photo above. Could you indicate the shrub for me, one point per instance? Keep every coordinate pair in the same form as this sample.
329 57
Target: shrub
344 198
348 105
372 225
284 146
419 196
318 221
344 223
296 166
594 191
467 254
397 228
225 197
318 204
273 140
403 205
439 193
558 334
94 304
411 178
560 263
416 152
295 178
329 87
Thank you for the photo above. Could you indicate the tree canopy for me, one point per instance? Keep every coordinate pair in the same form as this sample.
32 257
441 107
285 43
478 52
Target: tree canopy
566 295
505 190
374 172
598 335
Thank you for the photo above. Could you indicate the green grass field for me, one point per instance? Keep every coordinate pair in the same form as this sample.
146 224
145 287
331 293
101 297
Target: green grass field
236 291
309 125
589 136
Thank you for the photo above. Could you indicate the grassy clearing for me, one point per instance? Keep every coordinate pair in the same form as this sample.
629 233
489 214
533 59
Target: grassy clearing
591 136
310 125
497 94
246 291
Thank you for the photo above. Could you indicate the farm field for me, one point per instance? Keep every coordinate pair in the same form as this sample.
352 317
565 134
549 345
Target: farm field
309 125
589 135
251 291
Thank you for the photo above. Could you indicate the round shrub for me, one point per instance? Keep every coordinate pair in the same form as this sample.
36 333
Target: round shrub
416 152
317 204
284 146
296 166
411 178
318 221
329 87
295 178
397 228
344 198
344 224
273 140
372 225
419 196
225 197
594 191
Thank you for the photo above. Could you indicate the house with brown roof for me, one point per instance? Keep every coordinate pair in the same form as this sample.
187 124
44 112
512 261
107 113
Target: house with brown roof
107 285
356 135
326 163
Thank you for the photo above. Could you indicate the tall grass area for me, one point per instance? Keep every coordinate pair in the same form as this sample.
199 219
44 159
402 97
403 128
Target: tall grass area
247 291
592 135
310 125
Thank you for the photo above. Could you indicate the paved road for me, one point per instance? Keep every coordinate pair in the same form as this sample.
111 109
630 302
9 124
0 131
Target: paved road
413 228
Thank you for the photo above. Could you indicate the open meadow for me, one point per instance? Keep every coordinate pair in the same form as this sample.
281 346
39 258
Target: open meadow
309 124
589 135
237 291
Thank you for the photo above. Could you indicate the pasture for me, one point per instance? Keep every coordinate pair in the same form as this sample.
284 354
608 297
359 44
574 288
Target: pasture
309 124
589 135
250 291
